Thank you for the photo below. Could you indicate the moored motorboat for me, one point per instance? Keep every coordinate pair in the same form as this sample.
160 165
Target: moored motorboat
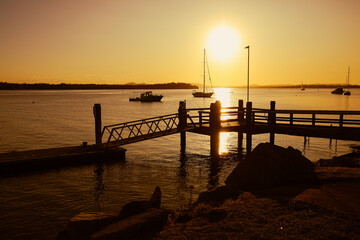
338 90
147 97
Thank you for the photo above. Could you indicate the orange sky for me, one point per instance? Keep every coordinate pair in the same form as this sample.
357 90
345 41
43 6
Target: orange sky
121 41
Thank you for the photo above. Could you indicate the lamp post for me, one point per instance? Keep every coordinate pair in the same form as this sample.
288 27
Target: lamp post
248 47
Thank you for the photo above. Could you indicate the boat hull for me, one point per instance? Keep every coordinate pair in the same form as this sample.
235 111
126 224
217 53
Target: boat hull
338 90
202 94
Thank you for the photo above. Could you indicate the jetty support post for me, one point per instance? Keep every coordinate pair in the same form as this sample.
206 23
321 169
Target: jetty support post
182 124
272 121
97 116
248 127
241 124
215 126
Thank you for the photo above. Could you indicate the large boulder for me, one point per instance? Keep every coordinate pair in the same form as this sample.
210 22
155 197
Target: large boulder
83 225
269 165
141 226
136 207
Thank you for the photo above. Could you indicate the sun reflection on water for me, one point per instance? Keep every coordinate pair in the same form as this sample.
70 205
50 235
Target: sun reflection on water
223 95
224 146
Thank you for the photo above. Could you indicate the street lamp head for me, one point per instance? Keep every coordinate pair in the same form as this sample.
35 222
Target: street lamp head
247 46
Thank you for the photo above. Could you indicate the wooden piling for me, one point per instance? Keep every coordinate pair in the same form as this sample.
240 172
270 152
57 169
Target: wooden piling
182 124
241 122
97 116
248 127
272 121
215 126
241 112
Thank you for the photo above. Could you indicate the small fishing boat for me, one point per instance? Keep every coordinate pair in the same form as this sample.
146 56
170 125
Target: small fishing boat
338 90
147 97
204 93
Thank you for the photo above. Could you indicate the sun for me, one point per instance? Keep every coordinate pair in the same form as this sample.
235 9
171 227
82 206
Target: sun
223 43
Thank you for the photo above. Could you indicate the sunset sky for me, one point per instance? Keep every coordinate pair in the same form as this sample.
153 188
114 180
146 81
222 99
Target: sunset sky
159 41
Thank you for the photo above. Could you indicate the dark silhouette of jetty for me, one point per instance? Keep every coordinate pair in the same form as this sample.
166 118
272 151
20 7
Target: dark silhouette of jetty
342 125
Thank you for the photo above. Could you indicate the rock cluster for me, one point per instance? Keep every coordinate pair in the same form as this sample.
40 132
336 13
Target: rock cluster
348 160
266 166
136 220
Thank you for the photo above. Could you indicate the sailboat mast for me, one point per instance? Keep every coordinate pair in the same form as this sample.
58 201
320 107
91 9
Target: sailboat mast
204 73
348 78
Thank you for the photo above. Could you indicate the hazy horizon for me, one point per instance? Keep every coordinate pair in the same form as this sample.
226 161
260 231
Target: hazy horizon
116 42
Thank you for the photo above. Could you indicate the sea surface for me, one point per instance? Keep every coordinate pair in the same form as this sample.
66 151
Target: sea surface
38 205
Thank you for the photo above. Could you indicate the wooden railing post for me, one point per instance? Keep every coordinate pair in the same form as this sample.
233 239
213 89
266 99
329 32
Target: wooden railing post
182 124
241 123
248 127
200 118
97 116
341 120
313 119
272 121
215 125
291 119
241 112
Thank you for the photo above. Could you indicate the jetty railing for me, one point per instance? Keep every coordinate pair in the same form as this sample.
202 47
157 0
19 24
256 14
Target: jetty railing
217 118
139 130
119 134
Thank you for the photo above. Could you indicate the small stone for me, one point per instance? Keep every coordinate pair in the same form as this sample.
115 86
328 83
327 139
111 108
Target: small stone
155 199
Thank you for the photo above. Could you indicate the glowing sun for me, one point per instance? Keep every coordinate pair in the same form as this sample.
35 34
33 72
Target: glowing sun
223 43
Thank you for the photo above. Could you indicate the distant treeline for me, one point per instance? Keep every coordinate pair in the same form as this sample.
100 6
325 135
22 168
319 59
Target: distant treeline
305 86
66 86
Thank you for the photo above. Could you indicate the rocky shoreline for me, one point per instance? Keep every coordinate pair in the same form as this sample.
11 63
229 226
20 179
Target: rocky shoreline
275 193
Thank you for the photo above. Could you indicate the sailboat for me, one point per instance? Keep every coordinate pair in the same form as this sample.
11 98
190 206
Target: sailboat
203 93
348 81
302 87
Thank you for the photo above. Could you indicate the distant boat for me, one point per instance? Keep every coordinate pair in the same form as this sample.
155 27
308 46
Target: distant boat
338 90
147 97
203 93
302 87
348 93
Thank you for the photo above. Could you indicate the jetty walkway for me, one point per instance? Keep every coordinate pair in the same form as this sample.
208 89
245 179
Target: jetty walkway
341 125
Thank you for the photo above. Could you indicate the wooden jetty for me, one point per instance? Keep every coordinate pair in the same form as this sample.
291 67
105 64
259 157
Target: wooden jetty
342 125
26 161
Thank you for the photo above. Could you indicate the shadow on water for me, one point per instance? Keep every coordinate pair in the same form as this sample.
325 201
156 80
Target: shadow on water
182 168
214 170
99 188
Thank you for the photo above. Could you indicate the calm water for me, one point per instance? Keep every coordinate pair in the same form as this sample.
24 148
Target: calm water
38 205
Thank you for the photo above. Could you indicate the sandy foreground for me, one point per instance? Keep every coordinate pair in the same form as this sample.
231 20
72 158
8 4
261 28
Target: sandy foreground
327 210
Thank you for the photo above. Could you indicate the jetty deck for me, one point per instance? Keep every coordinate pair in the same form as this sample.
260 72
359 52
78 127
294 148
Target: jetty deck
25 161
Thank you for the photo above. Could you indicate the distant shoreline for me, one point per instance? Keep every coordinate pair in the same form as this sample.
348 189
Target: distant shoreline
172 85
66 86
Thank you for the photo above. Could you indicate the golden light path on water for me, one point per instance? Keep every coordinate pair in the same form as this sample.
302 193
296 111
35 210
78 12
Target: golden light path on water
223 95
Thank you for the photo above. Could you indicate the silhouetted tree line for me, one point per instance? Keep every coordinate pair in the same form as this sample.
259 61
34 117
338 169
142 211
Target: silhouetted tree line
61 86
